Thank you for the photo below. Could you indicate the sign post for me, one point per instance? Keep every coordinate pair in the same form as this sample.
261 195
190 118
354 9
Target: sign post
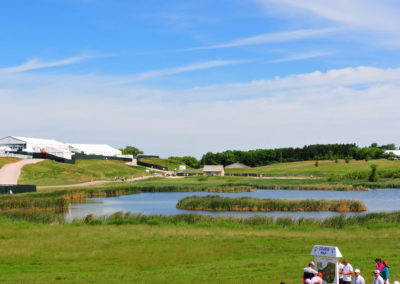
326 261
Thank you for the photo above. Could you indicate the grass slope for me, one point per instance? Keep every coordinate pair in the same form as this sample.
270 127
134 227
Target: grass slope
53 173
33 253
325 167
4 161
171 164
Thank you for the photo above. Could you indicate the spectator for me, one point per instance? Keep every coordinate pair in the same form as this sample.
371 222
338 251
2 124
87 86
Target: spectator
347 271
379 265
309 272
340 268
378 279
358 279
317 279
385 272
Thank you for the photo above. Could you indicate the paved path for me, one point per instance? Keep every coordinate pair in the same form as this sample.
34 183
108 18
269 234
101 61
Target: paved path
96 182
9 173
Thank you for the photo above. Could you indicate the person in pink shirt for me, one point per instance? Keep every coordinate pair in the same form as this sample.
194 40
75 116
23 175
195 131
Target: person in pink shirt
317 279
379 264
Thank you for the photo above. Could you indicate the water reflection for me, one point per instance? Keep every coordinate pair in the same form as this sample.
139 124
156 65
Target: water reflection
163 203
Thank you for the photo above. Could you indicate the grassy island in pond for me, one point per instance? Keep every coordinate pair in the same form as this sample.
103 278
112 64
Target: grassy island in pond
218 203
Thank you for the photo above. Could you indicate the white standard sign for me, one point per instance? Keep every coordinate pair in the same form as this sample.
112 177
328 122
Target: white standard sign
326 259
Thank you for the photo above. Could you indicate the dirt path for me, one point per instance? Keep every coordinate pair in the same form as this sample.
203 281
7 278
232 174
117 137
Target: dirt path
96 182
9 174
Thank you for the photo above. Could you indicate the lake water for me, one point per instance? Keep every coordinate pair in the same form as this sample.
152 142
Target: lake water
164 203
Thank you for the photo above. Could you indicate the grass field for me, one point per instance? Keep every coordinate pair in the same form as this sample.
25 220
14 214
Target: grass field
4 161
171 164
53 173
32 253
325 167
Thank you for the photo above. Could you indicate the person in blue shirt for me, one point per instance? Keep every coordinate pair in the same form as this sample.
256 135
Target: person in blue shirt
385 272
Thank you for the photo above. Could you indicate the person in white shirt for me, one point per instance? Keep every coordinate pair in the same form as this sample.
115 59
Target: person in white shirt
309 272
358 279
378 279
347 271
340 267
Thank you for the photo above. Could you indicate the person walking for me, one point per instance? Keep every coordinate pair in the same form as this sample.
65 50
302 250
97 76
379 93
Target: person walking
385 271
358 279
347 271
378 279
309 272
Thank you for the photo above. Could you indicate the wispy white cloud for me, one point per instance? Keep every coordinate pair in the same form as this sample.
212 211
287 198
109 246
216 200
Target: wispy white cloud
370 16
35 64
301 56
269 38
182 69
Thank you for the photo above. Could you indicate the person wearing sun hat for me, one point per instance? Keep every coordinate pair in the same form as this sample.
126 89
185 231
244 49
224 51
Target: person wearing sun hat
378 279
358 279
309 272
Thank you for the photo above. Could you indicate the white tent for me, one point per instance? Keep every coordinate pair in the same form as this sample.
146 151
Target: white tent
54 147
96 149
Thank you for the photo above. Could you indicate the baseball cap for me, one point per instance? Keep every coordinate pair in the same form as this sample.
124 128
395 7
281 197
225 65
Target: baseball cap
376 271
357 271
311 263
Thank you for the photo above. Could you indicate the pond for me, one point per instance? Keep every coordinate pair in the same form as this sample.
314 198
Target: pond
164 203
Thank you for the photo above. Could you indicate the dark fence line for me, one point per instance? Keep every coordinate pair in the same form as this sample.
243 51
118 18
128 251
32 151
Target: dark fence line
48 157
16 188
100 157
147 156
152 166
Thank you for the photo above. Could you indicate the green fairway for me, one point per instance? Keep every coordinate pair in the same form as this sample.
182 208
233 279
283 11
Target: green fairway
324 167
4 161
52 173
180 253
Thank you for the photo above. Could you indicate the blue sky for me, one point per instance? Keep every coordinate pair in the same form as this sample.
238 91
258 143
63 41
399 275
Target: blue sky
187 77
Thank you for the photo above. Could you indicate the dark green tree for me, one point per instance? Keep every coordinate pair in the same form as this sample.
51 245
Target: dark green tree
373 177
130 150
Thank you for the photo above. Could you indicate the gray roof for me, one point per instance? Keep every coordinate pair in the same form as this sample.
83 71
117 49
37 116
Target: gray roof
10 140
217 168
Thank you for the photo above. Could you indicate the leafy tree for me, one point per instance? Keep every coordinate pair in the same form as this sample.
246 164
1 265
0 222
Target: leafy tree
374 145
130 150
191 162
347 159
316 163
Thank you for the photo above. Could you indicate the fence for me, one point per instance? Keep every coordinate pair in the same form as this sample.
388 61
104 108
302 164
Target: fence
16 188
152 166
100 157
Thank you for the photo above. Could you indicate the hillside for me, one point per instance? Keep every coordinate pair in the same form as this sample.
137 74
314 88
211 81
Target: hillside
171 164
53 173
324 168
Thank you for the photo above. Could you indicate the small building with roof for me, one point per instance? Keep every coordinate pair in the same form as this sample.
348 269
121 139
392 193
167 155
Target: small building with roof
211 170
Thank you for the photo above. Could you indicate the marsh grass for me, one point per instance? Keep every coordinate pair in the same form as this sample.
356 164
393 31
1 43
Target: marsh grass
218 203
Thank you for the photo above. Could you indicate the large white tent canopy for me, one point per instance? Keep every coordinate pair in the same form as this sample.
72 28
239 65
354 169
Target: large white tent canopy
96 149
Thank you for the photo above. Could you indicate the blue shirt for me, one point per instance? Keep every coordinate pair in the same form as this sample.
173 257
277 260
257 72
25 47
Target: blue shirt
385 273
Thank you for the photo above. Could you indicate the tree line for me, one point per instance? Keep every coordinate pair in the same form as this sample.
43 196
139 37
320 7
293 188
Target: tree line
262 157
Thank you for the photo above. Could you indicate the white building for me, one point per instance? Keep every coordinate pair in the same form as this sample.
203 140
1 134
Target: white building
97 149
395 152
36 145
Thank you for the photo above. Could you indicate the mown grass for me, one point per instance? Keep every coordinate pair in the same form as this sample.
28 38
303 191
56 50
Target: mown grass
170 163
181 252
4 161
218 203
324 168
53 173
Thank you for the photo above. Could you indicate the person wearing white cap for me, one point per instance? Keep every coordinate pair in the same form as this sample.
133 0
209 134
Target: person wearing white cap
309 272
378 279
358 279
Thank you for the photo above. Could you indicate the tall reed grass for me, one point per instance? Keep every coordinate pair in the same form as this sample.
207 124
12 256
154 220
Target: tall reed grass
218 203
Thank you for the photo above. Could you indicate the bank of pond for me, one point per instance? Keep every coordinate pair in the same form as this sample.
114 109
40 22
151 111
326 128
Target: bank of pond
218 203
